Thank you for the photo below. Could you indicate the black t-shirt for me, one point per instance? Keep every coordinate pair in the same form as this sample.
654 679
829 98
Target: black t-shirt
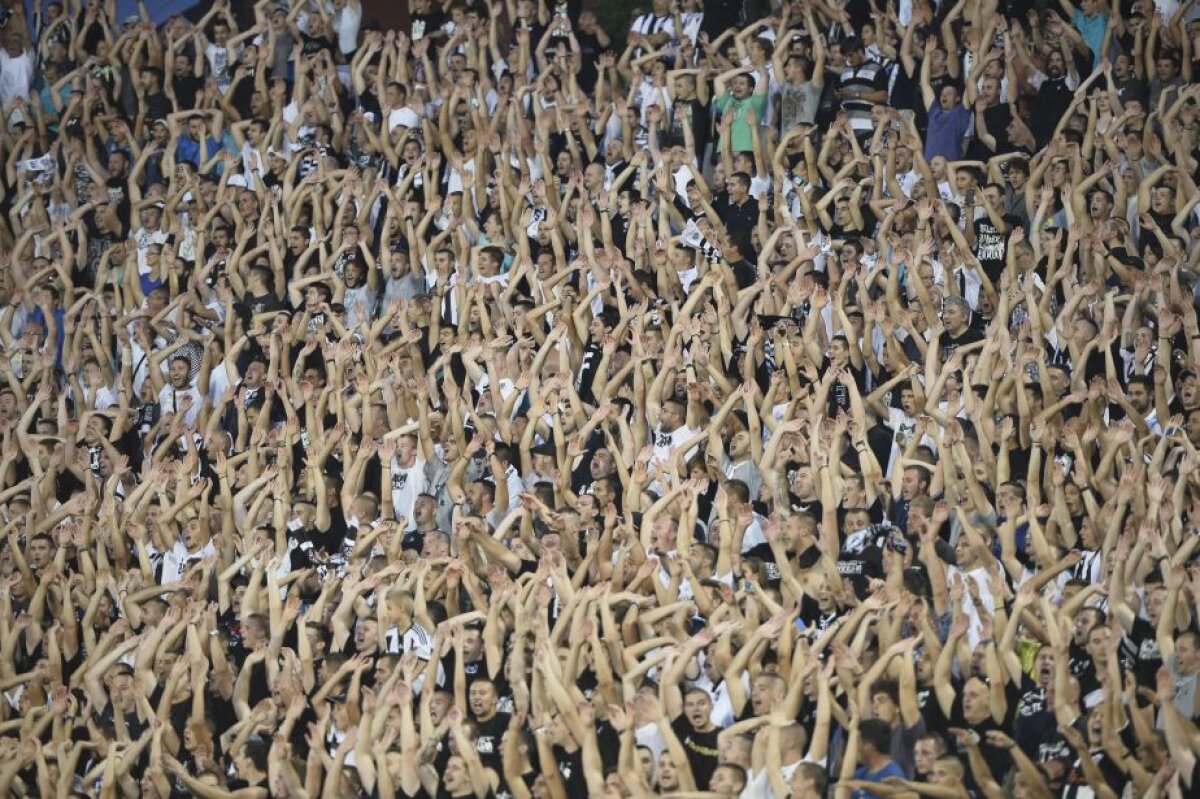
701 749
1054 746
765 555
331 539
951 343
861 558
739 219
744 273
158 105
1139 651
695 113
991 247
1082 668
997 119
998 759
98 242
315 44
609 741
813 507
1077 786
839 395
488 741
1034 717
813 617
581 477
475 670
93 33
264 303
931 709
442 793
430 24
187 89
587 372
237 784
589 51
570 765
1052 100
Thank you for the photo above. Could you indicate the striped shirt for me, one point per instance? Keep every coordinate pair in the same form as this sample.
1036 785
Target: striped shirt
649 25
415 639
866 78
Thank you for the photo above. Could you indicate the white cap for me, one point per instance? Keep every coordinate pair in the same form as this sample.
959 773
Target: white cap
403 117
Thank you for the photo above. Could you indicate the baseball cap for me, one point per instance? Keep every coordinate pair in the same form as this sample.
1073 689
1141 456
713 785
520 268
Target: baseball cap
403 117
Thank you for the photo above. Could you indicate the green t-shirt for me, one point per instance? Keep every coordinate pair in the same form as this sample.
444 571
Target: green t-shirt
737 126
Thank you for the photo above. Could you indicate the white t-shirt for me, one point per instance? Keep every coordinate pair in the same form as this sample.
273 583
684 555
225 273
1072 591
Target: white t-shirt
218 381
758 785
170 398
360 305
665 444
100 398
902 426
754 535
979 576
16 76
218 62
145 239
760 187
175 560
253 163
406 485
347 22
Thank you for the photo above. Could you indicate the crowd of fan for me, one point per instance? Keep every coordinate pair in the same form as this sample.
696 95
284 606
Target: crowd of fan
764 400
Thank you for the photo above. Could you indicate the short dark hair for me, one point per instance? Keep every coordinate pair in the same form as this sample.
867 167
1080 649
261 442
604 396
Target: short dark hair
877 733
739 489
888 687
819 776
923 472
1170 55
739 773
1141 380
938 740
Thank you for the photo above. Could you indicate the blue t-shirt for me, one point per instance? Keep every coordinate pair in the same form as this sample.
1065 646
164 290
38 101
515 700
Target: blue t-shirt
946 131
189 150
60 318
888 771
1092 30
